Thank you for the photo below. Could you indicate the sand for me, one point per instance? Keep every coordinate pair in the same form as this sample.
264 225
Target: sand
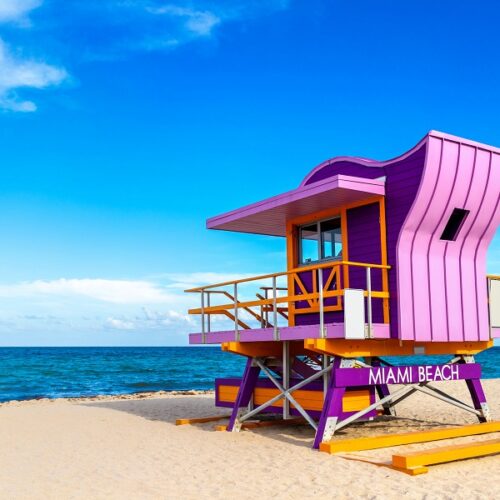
130 448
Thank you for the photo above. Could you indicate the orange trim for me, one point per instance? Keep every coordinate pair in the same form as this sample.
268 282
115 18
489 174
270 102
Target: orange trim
322 265
331 212
389 440
263 348
415 462
345 245
391 347
290 252
296 279
333 273
219 309
292 249
383 255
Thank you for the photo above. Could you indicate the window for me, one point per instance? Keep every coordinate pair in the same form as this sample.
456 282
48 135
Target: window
309 244
320 241
454 224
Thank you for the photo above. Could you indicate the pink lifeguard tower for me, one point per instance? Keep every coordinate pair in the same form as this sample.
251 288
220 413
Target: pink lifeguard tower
383 259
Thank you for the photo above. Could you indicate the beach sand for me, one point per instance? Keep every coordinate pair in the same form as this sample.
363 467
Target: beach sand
129 447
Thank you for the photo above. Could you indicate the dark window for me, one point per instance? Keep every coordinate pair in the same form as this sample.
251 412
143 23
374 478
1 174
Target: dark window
454 224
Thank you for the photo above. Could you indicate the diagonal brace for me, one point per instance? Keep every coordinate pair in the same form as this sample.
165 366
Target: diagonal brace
287 395
273 400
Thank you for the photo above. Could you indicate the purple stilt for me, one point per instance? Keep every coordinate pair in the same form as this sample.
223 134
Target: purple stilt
332 407
245 392
478 398
383 391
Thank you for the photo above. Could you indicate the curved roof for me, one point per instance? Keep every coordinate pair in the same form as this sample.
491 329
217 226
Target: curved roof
335 182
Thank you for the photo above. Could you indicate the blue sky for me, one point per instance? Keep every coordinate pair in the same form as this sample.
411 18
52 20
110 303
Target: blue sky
125 124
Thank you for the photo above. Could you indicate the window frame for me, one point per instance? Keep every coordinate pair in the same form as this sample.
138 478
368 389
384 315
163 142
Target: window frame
319 239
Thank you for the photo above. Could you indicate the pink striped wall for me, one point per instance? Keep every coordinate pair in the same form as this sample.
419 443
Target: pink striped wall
442 284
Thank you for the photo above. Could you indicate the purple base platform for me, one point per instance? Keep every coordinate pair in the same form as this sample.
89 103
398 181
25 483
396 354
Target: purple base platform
266 383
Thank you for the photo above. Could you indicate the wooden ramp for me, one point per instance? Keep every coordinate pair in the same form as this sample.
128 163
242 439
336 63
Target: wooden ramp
415 462
266 423
388 440
200 420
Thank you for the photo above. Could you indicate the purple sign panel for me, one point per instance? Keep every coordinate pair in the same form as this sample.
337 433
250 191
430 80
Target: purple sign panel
348 377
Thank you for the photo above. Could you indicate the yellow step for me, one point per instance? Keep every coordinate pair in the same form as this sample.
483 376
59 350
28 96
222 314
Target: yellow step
416 462
266 423
387 440
200 420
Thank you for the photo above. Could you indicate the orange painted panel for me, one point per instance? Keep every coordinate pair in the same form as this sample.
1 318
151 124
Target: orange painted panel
355 400
309 400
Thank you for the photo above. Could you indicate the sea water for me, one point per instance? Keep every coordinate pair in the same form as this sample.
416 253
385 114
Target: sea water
53 372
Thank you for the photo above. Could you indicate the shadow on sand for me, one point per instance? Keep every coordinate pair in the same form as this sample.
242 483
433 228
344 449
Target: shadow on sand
169 409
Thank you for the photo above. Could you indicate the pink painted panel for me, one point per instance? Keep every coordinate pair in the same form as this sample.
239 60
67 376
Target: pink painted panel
448 252
407 276
465 253
442 284
422 239
489 220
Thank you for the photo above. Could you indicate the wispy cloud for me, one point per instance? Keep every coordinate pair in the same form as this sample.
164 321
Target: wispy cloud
70 306
198 22
114 291
17 73
119 324
17 11
119 28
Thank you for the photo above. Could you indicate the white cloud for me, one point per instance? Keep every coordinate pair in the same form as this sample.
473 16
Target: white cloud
123 26
101 309
198 22
113 291
17 10
119 324
193 280
17 73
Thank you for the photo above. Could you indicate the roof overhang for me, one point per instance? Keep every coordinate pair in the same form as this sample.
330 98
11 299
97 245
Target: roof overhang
270 216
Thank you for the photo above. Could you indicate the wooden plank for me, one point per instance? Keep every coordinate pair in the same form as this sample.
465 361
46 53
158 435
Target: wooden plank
419 459
387 440
266 423
391 347
200 420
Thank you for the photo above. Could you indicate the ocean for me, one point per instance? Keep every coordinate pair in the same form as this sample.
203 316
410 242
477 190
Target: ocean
54 372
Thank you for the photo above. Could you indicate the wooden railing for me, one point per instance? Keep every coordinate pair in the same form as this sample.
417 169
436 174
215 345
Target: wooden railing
322 288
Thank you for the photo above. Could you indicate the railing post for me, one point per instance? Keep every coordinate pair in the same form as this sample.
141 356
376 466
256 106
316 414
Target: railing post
236 330
321 305
324 365
369 300
209 325
203 336
275 310
286 378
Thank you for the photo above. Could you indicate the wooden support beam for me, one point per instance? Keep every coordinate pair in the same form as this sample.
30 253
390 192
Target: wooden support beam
392 347
416 462
266 423
263 348
200 420
387 440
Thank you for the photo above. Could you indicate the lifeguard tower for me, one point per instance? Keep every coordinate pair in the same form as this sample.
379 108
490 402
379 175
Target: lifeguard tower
383 259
